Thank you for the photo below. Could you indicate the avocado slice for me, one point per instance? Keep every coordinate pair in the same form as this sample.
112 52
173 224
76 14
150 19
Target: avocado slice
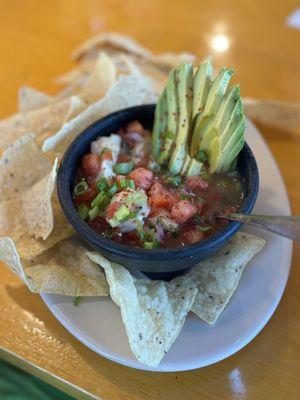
202 81
233 153
172 117
194 168
220 154
224 115
186 165
160 124
214 98
185 102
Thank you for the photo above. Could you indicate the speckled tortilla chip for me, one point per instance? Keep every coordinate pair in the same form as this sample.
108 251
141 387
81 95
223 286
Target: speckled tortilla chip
41 121
153 312
113 40
218 276
37 207
22 164
126 92
30 99
30 212
65 269
103 76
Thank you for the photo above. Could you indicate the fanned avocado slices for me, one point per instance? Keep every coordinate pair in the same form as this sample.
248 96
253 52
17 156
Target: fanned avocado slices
203 116
185 102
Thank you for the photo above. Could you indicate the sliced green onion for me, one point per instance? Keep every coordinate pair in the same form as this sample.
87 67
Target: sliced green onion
93 213
132 214
130 183
201 156
77 301
140 231
81 188
150 233
113 189
83 211
122 214
123 168
102 185
204 228
123 183
149 245
198 219
97 200
173 180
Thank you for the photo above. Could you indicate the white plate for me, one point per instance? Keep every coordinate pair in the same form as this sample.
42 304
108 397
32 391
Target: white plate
97 321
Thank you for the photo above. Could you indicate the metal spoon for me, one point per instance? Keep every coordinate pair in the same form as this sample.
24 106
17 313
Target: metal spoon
288 226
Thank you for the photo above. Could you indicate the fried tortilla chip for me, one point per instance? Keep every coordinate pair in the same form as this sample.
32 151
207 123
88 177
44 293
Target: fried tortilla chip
30 212
153 312
40 121
218 276
37 206
30 99
102 78
113 40
123 94
65 269
22 165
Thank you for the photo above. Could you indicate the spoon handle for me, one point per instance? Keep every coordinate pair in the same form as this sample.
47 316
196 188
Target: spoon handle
288 226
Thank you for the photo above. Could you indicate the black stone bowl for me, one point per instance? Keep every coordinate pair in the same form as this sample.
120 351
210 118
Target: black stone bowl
157 263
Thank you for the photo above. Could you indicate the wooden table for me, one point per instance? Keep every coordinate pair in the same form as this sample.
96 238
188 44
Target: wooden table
36 38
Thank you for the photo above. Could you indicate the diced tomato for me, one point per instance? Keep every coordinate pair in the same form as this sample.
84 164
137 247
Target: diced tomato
112 208
88 196
106 156
160 197
91 164
183 210
192 236
135 126
196 182
142 177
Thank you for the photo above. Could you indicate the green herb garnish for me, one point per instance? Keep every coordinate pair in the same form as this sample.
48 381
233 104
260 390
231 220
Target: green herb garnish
201 156
83 211
102 185
81 188
123 168
77 301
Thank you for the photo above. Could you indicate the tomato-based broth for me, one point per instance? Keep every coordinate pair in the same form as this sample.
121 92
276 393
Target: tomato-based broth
123 194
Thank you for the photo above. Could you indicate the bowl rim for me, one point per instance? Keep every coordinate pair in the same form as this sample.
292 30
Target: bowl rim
97 240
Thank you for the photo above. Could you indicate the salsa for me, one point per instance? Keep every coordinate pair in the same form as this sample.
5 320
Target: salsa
123 194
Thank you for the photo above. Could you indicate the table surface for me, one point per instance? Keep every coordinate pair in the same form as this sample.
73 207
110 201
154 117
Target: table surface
36 39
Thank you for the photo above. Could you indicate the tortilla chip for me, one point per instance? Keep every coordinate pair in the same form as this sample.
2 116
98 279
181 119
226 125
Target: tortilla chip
279 114
101 79
123 94
30 99
115 40
22 165
41 121
65 269
153 312
77 105
218 276
37 207
30 212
